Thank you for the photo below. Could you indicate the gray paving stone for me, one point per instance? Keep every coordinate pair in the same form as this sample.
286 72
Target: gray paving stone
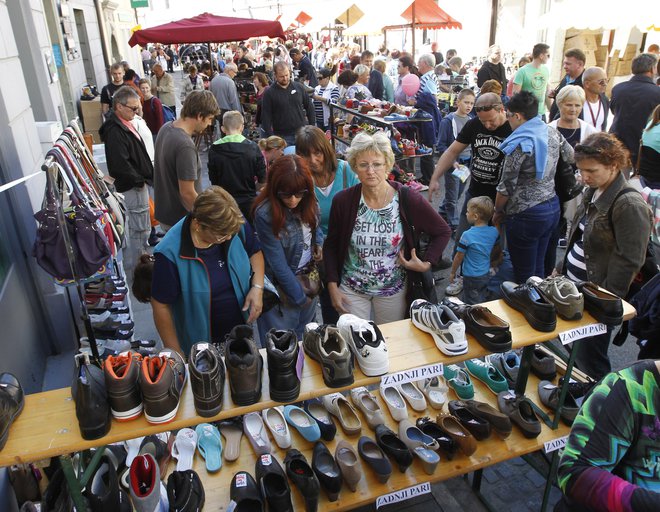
535 478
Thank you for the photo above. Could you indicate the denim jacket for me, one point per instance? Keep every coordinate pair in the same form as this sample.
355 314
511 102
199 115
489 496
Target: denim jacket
614 252
282 254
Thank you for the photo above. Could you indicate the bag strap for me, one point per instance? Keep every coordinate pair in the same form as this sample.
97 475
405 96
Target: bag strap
621 192
343 170
403 209
639 159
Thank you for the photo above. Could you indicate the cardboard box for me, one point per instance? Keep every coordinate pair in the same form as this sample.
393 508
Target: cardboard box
591 58
95 136
583 42
624 67
631 52
91 114
601 56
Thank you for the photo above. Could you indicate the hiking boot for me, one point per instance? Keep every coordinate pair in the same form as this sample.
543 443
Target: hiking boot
285 364
91 399
244 366
185 491
207 378
162 379
563 293
367 344
326 345
122 374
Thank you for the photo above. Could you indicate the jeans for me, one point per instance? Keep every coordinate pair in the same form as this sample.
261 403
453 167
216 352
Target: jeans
527 235
426 167
475 289
454 189
286 317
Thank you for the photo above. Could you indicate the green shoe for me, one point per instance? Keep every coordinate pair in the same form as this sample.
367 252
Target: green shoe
458 379
488 374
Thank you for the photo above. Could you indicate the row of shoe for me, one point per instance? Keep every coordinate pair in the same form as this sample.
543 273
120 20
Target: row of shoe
448 321
541 300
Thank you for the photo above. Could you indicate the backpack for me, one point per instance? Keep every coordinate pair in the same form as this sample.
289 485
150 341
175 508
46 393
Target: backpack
168 114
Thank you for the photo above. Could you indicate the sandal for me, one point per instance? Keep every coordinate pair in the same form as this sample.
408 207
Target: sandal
209 444
232 431
183 449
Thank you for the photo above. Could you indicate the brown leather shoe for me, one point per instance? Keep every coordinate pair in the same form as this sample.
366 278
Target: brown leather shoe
451 425
349 463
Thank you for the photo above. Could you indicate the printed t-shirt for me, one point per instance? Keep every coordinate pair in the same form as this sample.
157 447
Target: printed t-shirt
371 267
487 159
534 80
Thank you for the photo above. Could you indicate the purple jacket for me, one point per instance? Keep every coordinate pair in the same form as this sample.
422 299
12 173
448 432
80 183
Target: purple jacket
342 220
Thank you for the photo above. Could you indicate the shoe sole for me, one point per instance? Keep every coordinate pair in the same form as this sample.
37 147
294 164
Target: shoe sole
532 321
246 399
439 343
131 414
370 370
159 420
285 396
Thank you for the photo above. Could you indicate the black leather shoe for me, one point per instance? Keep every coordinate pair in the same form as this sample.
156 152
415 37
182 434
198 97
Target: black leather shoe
489 330
245 492
475 425
207 378
244 366
273 483
89 394
604 306
498 421
302 476
394 447
103 492
447 444
530 301
314 407
12 401
185 491
375 457
327 471
282 350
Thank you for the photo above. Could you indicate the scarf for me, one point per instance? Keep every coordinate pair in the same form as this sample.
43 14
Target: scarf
532 137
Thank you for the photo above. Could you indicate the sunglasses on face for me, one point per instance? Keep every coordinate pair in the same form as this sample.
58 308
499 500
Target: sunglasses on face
134 109
288 195
487 108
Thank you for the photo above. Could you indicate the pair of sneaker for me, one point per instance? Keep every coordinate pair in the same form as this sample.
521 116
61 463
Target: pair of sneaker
447 330
152 383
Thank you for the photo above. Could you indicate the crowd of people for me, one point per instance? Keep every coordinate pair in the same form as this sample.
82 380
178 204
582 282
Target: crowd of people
288 225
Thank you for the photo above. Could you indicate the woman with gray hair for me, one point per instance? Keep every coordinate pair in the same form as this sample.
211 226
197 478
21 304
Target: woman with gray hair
359 89
370 244
570 100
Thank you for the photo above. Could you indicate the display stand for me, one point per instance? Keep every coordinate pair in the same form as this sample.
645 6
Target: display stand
48 426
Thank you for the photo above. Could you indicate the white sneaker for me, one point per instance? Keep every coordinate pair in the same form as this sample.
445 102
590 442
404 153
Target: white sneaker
367 344
395 402
455 287
276 423
413 395
442 324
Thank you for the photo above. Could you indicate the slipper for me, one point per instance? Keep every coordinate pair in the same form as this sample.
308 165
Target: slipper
232 431
183 449
209 444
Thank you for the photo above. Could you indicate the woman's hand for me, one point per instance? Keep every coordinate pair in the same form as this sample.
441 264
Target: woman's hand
414 263
498 217
254 303
338 299
317 253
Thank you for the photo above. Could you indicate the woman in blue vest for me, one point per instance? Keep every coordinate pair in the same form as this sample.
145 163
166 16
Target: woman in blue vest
208 274
287 220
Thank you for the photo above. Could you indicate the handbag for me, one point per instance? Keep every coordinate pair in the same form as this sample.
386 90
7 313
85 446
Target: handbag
566 186
421 285
310 280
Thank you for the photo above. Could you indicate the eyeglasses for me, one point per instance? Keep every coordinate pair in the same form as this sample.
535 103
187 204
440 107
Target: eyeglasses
376 166
588 150
488 108
134 109
604 81
288 195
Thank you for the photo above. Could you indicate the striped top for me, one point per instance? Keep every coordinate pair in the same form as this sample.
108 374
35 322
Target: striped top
576 268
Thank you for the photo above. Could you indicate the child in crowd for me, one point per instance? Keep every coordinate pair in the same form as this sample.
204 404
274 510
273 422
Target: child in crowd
236 163
477 247
450 127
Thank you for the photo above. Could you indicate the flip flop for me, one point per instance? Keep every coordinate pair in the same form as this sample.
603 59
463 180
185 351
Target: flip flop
232 431
209 444
183 449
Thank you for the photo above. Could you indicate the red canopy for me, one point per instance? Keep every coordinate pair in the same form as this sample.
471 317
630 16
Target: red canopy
429 15
207 28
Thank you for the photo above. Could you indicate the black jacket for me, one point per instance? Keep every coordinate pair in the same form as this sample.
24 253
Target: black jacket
127 158
375 84
307 71
554 109
632 103
490 71
283 111
234 167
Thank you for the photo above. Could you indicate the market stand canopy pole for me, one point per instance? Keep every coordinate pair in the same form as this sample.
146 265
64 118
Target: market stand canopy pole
207 27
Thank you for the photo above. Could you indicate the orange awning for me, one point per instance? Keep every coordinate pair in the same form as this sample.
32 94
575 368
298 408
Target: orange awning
303 18
428 14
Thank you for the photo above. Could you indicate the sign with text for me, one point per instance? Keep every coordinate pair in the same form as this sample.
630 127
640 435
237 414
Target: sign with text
139 3
555 444
582 332
402 495
423 372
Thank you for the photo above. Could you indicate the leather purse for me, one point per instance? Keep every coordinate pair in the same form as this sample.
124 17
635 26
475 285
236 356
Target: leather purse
310 280
566 186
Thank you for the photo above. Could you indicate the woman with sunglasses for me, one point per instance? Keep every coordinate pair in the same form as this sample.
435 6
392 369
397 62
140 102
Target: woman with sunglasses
286 219
370 246
526 194
208 274
608 238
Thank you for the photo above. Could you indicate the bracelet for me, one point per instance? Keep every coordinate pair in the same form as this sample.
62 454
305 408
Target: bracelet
260 287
